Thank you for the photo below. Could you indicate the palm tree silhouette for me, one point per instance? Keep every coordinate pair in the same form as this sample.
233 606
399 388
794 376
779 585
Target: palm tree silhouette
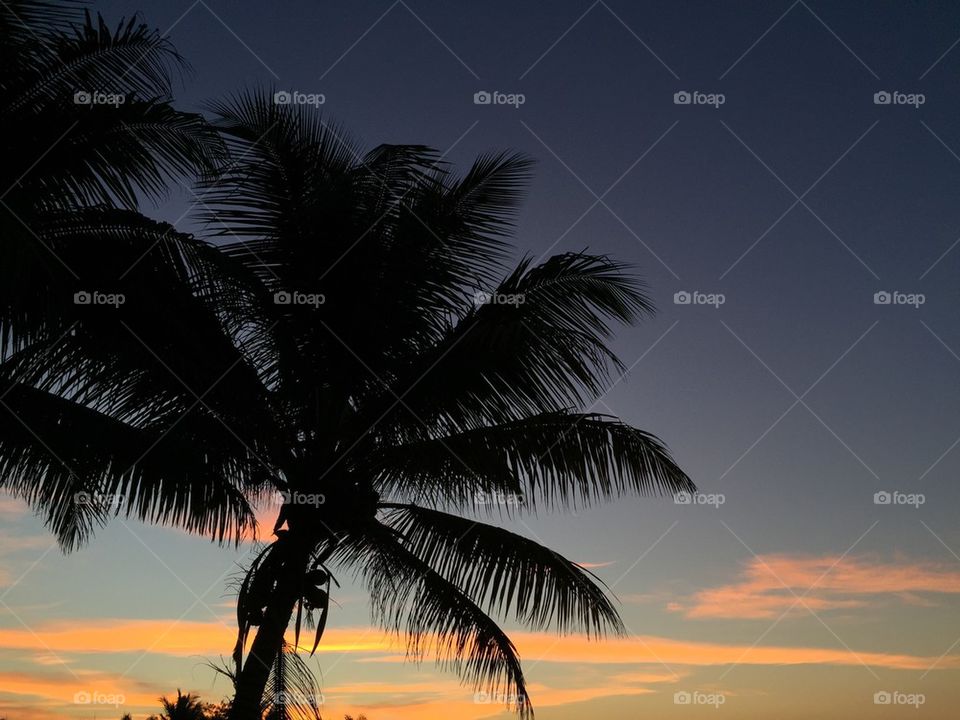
353 342
185 707
403 377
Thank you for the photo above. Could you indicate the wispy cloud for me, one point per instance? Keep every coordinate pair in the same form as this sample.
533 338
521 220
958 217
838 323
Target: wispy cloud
769 586
189 638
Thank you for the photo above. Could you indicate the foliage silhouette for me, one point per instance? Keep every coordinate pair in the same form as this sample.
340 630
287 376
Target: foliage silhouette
353 341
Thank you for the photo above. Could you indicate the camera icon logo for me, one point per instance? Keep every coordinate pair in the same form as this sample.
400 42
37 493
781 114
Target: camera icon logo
82 298
882 98
82 698
682 298
82 97
882 298
882 698
482 98
682 98
682 698
282 298
281 97
882 498
481 698
683 498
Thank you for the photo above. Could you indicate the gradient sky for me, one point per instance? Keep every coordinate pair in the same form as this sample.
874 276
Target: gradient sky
797 399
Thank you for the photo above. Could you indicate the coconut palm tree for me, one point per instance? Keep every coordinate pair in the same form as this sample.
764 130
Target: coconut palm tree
353 341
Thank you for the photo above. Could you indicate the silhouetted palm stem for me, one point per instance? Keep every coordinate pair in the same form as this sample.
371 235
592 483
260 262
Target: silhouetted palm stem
268 642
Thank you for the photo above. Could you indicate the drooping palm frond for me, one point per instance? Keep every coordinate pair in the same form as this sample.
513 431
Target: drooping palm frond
107 154
437 618
293 692
505 572
79 467
108 399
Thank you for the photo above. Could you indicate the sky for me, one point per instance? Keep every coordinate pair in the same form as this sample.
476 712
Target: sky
810 385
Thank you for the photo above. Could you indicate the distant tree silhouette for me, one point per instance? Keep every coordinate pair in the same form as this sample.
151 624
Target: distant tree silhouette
355 343
185 707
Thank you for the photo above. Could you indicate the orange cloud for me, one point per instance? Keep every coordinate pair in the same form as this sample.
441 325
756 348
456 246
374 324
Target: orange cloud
544 647
188 638
645 662
648 649
769 586
82 690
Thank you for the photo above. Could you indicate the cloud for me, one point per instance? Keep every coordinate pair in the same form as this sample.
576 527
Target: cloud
637 666
12 508
86 689
548 648
769 585
190 638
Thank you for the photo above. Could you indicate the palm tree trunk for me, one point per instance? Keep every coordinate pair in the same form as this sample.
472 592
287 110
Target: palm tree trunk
253 677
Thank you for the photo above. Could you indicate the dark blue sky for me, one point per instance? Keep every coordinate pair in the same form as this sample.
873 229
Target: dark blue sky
599 82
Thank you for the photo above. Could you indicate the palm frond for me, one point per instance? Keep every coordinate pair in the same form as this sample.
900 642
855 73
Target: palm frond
435 615
505 572
539 344
559 459
79 467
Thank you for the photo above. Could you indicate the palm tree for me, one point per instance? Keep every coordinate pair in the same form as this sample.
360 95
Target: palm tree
185 707
354 342
395 396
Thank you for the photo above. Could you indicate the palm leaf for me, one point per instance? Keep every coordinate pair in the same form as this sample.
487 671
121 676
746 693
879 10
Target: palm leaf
436 616
506 572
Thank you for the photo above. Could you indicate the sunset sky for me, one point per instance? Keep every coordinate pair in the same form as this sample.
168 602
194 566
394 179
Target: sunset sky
798 593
